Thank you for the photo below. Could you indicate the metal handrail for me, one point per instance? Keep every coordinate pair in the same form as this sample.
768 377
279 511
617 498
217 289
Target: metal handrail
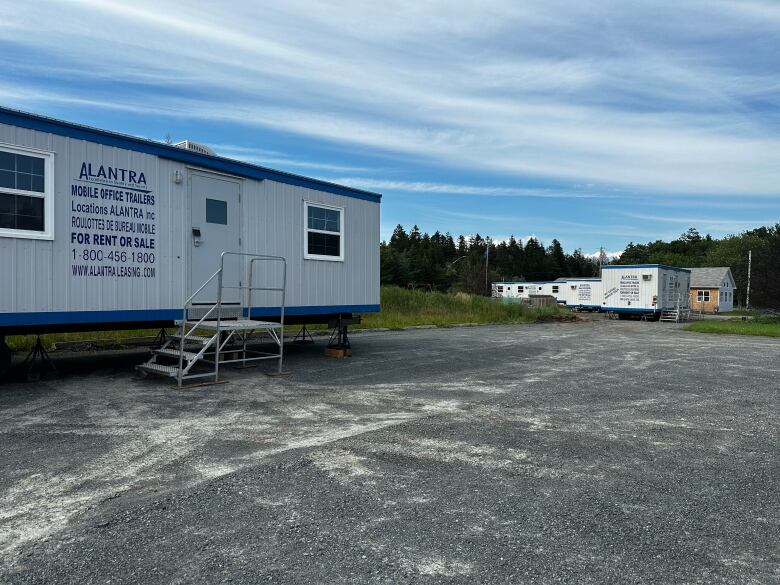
184 332
249 288
193 295
283 290
218 306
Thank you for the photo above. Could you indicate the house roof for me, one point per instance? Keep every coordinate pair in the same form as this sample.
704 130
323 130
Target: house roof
710 277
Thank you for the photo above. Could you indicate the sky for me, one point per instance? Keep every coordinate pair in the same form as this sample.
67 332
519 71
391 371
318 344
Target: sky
597 122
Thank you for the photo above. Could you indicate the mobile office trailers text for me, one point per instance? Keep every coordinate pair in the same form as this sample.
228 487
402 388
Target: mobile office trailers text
644 289
100 230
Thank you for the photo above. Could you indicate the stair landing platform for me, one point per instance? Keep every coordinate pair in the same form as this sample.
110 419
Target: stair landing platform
234 325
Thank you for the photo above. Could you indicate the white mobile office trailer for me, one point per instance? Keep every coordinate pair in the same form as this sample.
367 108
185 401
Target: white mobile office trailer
583 294
644 289
101 230
520 290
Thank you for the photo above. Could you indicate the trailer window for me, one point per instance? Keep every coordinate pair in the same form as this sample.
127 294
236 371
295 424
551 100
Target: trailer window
555 289
25 192
324 232
216 211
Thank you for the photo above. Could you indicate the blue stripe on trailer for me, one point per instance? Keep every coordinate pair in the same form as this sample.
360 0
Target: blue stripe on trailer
327 310
148 315
627 310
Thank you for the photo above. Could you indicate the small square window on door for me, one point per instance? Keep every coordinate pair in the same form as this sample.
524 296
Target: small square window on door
216 211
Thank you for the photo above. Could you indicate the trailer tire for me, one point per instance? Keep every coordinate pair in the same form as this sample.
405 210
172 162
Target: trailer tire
5 357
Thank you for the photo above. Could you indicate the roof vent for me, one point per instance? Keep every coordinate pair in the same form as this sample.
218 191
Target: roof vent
195 147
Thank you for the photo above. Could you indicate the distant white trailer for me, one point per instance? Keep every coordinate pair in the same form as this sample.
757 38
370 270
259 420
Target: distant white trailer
555 289
506 290
644 289
522 290
583 294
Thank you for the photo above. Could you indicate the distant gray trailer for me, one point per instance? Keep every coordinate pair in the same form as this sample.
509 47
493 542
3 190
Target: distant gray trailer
100 230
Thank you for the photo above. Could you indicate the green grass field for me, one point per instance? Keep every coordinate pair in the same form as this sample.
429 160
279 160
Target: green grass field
406 308
762 326
400 308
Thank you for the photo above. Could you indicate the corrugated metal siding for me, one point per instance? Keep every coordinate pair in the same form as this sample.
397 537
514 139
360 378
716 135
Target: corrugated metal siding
38 275
588 293
274 225
42 278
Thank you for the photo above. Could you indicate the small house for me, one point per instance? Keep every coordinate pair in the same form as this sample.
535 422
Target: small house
712 289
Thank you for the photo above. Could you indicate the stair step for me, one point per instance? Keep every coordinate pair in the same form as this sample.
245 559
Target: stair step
159 369
193 338
174 353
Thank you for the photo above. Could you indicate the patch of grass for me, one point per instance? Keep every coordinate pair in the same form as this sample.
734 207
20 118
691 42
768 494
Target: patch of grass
406 308
103 338
762 326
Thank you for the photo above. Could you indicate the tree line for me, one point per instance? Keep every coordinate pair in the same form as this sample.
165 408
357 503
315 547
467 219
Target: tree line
692 250
440 262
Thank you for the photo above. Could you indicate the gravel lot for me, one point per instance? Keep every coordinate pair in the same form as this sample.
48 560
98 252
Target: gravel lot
595 452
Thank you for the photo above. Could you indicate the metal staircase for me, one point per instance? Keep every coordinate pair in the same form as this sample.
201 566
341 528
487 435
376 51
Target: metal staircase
209 336
678 314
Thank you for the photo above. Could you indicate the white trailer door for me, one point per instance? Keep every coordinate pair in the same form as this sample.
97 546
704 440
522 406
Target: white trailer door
216 228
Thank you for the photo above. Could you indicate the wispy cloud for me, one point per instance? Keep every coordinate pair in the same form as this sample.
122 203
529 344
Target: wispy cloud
591 121
702 222
279 159
476 190
647 104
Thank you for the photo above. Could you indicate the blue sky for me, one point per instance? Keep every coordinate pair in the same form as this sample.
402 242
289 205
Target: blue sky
597 122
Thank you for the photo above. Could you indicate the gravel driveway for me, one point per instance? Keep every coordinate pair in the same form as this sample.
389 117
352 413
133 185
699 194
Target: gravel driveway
593 452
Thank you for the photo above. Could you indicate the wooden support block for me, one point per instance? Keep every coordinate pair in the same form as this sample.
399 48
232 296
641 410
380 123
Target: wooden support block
338 352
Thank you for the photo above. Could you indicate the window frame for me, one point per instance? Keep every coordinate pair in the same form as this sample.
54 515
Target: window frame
47 195
307 229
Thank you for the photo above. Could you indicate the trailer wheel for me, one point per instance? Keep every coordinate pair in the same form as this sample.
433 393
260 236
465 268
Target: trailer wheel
5 357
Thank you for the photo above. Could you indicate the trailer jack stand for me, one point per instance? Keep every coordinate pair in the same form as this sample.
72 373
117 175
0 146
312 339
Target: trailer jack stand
303 336
38 362
160 339
338 345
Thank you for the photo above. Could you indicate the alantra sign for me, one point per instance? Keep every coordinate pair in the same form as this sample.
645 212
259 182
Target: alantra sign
108 173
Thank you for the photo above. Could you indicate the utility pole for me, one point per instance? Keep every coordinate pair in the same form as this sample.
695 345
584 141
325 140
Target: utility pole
750 264
487 264
603 259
